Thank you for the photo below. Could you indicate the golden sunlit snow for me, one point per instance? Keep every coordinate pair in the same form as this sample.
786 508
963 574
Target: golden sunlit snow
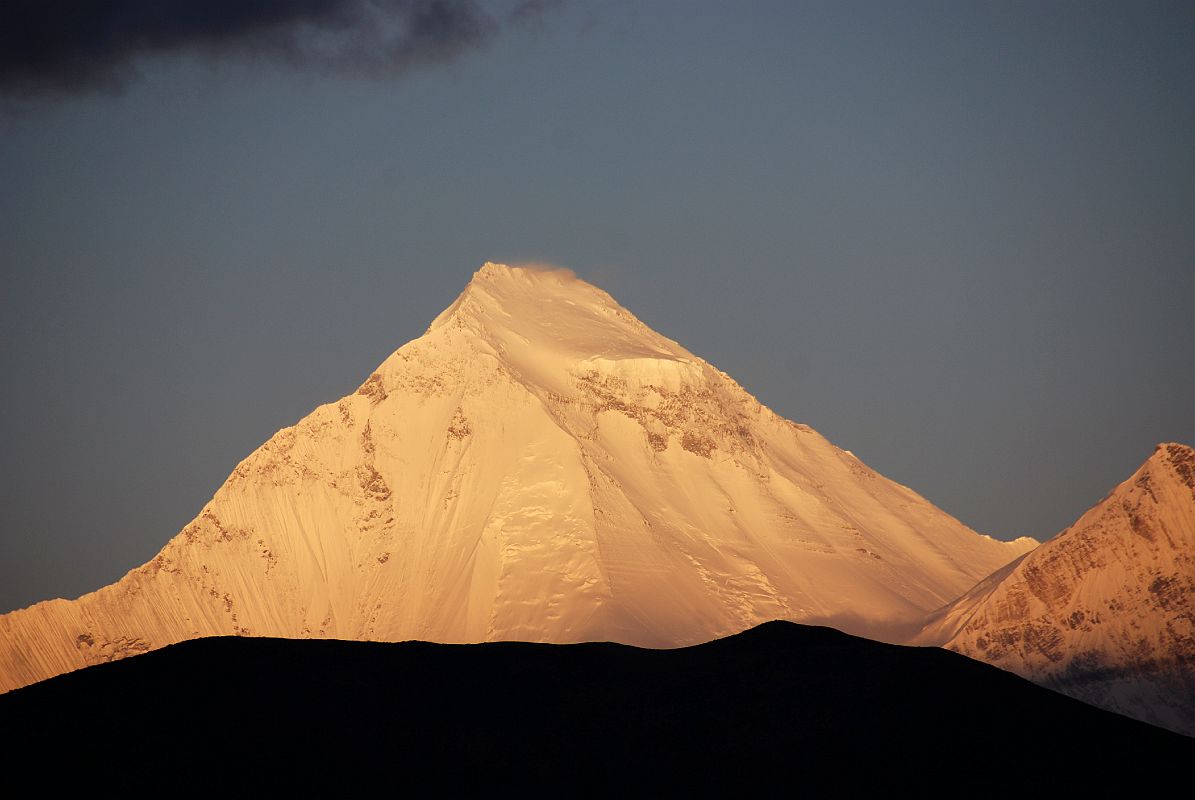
541 466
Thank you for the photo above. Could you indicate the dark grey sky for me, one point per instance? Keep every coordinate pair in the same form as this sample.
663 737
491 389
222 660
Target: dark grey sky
956 238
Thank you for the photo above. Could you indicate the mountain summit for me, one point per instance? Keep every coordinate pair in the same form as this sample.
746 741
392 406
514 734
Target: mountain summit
539 465
1104 611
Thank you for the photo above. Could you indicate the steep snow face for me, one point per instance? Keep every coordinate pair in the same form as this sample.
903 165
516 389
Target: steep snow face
1105 611
539 465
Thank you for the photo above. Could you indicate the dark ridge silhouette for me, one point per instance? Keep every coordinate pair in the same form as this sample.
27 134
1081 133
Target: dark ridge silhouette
780 706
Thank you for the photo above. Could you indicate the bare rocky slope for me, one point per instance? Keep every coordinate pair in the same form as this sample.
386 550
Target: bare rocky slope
538 466
1105 611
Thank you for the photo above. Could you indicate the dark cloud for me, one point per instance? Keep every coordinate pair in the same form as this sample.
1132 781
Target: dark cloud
81 45
531 13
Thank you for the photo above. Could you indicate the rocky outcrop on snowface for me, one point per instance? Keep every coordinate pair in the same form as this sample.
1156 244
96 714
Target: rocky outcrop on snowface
1105 611
540 466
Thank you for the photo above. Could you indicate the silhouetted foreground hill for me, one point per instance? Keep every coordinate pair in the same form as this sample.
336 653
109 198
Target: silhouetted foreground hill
781 705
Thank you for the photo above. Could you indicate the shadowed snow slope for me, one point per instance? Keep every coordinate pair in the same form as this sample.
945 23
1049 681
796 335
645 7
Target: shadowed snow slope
1105 611
542 466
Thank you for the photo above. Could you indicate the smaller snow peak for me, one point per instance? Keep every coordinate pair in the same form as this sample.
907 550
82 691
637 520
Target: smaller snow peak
1178 459
1168 451
1170 464
1178 452
1169 455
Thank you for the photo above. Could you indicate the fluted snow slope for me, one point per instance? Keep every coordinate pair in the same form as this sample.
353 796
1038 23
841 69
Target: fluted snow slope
1105 611
539 465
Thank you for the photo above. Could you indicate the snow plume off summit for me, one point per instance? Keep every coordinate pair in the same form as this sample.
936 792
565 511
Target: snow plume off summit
540 466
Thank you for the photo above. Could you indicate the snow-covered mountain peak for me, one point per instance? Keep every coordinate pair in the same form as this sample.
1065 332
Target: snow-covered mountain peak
544 325
508 290
1105 610
553 308
1172 462
539 465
